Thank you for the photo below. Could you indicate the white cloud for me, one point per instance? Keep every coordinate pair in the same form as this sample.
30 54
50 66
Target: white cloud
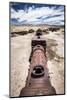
32 14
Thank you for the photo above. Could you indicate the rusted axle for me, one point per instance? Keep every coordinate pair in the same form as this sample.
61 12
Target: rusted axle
38 80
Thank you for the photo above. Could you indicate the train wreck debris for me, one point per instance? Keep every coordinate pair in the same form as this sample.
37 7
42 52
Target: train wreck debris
38 80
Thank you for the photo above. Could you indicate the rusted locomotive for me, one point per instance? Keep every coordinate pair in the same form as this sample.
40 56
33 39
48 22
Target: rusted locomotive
38 80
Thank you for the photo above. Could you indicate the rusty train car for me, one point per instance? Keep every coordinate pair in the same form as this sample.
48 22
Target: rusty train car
38 80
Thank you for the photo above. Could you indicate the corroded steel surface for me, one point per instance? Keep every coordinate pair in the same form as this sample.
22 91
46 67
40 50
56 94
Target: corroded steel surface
38 80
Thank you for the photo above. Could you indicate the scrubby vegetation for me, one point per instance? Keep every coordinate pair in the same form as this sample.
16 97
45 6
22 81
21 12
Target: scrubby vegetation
13 34
39 31
31 31
53 29
45 31
23 32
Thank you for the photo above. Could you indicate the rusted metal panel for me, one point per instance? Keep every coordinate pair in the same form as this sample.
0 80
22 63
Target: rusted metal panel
38 80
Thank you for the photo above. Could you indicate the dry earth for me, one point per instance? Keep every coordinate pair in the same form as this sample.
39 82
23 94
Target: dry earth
20 52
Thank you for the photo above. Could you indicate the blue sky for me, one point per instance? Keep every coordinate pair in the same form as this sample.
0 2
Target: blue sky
30 13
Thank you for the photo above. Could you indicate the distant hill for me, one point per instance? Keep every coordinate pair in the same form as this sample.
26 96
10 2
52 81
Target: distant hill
39 25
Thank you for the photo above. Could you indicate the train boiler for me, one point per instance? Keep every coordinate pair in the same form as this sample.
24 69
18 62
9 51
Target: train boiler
38 79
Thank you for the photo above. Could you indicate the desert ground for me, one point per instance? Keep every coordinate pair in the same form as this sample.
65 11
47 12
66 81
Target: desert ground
20 53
